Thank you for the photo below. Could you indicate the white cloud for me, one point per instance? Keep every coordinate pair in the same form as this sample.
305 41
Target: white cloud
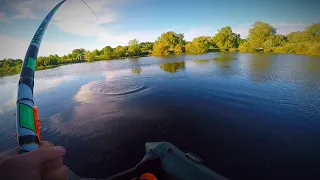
196 32
13 47
286 28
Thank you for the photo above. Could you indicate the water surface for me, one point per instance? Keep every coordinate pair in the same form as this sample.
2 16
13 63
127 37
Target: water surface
249 116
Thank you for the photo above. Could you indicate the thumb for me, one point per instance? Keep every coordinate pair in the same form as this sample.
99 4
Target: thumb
41 155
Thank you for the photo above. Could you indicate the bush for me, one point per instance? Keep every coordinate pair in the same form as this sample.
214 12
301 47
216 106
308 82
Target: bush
245 47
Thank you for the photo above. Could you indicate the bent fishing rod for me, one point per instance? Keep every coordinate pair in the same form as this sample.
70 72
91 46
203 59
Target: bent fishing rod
27 120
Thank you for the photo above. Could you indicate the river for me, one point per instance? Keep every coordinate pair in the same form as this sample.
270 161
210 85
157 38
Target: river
248 116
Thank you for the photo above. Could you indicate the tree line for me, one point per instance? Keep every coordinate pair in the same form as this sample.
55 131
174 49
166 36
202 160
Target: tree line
262 37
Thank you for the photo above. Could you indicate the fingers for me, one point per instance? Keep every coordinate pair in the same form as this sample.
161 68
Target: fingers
45 144
9 153
54 164
41 155
58 174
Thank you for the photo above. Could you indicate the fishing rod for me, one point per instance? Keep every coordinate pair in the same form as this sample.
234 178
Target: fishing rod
27 120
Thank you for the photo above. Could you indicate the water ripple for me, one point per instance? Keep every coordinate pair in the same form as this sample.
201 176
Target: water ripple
117 87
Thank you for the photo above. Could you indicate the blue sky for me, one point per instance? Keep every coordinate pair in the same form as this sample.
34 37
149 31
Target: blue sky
74 26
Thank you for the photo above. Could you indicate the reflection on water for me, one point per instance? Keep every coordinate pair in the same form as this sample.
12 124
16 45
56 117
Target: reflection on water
136 70
260 66
173 67
104 112
202 61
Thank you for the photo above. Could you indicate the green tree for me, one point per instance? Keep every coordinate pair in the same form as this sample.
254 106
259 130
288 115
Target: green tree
161 49
76 53
312 33
225 38
107 53
198 45
146 46
260 33
89 56
134 48
96 52
245 47
119 52
53 59
166 43
178 49
40 61
295 37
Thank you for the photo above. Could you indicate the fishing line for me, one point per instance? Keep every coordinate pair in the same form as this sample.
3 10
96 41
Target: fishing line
90 8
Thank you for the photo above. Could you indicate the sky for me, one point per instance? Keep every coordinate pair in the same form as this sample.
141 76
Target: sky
75 26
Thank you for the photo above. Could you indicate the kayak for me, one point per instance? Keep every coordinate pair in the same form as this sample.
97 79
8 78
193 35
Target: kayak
165 161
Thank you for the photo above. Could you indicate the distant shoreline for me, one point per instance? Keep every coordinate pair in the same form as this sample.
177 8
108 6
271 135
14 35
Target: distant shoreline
11 73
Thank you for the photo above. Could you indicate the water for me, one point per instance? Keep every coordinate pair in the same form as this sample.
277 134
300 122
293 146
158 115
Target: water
249 116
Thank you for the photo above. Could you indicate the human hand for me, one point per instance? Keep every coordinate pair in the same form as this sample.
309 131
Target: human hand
45 163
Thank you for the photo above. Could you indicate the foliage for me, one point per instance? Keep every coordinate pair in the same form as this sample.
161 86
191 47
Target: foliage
262 37
107 53
134 48
10 66
119 52
245 47
97 53
89 56
178 49
161 49
226 39
199 45
76 53
167 42
146 46
259 34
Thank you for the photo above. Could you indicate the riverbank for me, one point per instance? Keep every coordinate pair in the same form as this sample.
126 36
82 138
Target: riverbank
16 69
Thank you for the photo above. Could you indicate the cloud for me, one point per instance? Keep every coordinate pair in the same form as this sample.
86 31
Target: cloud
196 32
74 17
286 28
13 47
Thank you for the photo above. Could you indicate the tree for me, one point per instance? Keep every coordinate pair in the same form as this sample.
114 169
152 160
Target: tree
107 53
161 49
134 48
146 46
274 41
96 52
166 43
119 52
312 33
245 47
295 37
89 56
76 53
53 60
70 56
225 39
260 33
178 49
198 45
